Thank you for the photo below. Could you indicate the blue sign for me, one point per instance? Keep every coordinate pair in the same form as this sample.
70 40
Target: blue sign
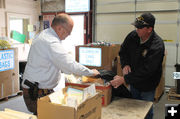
6 60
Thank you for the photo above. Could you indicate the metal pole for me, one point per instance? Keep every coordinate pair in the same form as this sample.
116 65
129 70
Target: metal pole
178 31
94 20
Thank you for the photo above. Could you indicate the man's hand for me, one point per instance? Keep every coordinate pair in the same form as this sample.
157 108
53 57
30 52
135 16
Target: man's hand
96 72
117 81
126 70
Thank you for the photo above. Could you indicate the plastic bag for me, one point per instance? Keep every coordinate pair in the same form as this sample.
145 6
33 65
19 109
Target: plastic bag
4 44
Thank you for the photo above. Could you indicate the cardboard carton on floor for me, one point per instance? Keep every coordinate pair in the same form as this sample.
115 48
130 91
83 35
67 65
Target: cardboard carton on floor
89 109
9 72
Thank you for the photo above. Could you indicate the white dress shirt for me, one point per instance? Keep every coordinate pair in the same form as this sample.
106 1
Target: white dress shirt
47 58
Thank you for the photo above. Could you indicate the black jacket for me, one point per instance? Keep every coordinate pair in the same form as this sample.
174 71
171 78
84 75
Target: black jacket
145 61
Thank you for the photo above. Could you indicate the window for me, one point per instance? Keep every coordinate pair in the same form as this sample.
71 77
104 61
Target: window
19 23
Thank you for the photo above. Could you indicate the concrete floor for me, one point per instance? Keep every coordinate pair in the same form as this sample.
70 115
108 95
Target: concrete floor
159 107
17 103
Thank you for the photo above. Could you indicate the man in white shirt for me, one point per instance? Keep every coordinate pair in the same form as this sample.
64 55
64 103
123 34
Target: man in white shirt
47 59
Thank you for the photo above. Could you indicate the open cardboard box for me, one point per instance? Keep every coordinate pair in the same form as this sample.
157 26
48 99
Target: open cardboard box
106 91
89 109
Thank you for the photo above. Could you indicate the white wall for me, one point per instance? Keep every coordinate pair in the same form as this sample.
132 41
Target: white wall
29 8
2 23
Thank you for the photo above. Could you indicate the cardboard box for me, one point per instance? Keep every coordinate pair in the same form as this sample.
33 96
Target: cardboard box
9 82
106 92
89 109
160 88
108 55
118 67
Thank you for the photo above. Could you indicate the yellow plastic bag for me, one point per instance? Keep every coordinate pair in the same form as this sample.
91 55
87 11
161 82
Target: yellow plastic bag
4 44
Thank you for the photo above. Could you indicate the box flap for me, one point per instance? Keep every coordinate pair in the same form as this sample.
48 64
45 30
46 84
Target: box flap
48 110
90 109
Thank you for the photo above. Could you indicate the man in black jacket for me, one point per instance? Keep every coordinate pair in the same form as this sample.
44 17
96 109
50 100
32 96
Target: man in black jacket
141 57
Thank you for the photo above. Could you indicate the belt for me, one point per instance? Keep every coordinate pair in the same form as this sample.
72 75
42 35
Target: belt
45 91
40 91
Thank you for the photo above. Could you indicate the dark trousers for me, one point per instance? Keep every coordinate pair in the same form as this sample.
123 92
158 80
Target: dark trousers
32 104
147 96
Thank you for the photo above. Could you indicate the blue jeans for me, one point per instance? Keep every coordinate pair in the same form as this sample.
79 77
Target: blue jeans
147 96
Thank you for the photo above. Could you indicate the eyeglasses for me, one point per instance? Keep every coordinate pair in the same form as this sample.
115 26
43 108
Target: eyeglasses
141 20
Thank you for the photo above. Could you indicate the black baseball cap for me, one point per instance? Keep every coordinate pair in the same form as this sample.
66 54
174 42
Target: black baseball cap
145 20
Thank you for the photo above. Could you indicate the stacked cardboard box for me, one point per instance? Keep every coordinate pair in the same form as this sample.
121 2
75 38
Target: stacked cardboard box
108 55
9 81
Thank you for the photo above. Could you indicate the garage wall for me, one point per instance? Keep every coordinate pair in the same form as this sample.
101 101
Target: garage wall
113 22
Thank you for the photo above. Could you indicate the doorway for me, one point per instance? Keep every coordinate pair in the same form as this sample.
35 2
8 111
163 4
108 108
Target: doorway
19 23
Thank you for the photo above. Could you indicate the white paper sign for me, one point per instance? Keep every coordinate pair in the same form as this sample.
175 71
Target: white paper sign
176 75
90 56
77 5
89 91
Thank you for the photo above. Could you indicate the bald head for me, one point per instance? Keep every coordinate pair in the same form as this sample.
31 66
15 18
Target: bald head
62 24
62 19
